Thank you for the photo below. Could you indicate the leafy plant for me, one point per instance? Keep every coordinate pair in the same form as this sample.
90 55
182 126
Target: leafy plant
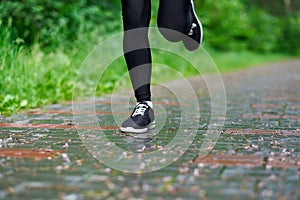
55 22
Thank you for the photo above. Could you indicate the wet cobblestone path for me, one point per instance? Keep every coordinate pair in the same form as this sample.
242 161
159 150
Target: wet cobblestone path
256 157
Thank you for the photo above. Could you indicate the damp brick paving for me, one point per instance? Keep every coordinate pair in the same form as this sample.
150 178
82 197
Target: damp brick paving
257 155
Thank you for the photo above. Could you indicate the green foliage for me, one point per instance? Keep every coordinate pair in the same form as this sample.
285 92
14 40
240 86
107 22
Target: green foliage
31 77
242 25
55 22
290 35
228 25
266 31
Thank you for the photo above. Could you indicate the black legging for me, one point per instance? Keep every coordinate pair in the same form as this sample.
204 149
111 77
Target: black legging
172 14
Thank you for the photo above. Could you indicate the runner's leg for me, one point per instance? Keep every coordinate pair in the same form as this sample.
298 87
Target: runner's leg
136 18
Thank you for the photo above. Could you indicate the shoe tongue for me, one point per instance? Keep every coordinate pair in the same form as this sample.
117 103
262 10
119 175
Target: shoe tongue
141 105
148 103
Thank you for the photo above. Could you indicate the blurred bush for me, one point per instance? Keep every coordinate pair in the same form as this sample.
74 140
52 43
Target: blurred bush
226 24
58 21
251 24
258 25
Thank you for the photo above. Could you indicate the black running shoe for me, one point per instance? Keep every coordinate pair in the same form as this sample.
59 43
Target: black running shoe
194 32
141 119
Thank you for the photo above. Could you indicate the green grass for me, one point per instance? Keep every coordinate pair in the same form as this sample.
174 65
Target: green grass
32 77
231 61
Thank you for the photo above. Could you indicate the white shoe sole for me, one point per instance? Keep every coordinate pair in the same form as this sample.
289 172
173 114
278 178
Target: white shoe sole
195 15
139 130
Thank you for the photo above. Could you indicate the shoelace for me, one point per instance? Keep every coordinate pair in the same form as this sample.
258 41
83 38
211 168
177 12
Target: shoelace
191 32
140 110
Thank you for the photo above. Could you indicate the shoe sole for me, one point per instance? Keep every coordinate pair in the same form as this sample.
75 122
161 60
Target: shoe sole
195 16
138 130
200 26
